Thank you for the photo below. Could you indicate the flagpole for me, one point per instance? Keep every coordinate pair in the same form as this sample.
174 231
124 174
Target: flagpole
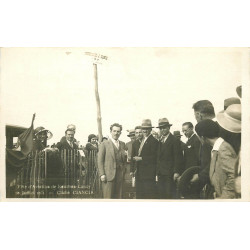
99 118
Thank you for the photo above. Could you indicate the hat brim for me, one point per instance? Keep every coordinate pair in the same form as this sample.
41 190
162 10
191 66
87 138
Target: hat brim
159 126
185 188
49 134
142 127
239 91
233 126
130 135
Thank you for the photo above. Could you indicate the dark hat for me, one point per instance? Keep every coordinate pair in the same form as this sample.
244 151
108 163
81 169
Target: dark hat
207 128
239 91
146 123
230 119
41 129
185 188
230 101
91 136
131 132
177 133
163 122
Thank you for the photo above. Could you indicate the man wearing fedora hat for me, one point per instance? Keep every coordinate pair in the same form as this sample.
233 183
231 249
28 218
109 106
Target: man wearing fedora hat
145 159
223 159
169 161
193 144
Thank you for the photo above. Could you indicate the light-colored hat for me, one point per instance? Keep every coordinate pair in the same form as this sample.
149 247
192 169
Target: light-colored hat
230 119
131 132
230 101
71 126
163 122
41 129
146 123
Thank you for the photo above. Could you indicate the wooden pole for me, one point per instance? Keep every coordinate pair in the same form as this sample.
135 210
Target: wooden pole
99 118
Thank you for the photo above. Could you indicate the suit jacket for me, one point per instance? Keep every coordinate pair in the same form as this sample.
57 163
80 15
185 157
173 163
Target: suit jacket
222 171
192 152
170 157
146 169
129 149
106 159
135 148
63 144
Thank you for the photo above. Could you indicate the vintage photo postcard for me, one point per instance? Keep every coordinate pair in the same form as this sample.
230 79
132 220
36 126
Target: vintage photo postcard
132 124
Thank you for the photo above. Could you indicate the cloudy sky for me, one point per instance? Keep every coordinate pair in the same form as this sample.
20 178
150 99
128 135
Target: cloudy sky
134 83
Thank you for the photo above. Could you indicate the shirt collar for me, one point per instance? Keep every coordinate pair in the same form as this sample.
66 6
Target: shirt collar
217 144
114 141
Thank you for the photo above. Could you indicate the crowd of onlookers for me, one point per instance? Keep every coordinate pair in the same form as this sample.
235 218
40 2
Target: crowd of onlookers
163 166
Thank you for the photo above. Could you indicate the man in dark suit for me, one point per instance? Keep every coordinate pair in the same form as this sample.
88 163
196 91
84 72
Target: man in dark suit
145 158
169 161
193 144
112 163
204 110
69 142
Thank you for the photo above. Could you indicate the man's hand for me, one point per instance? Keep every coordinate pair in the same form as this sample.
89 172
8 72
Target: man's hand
103 178
137 158
176 175
195 178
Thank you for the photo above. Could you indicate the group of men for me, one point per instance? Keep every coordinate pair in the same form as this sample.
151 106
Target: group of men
210 160
164 166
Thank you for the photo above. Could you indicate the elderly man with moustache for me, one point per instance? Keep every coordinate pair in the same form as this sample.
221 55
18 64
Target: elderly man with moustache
112 163
169 161
145 157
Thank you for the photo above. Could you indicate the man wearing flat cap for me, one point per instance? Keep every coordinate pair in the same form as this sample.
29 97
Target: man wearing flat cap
145 161
169 161
223 159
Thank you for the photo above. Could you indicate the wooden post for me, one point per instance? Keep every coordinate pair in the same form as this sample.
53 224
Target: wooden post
99 118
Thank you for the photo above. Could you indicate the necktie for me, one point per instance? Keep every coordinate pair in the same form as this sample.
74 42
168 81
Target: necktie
117 144
140 149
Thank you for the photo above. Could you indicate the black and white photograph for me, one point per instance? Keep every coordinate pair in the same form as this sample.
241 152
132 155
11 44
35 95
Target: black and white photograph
123 123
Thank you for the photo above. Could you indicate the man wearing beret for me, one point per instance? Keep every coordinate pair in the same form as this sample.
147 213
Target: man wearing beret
169 161
145 161
223 159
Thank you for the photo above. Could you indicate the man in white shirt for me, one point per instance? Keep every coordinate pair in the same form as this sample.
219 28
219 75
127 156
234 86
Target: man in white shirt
223 159
112 164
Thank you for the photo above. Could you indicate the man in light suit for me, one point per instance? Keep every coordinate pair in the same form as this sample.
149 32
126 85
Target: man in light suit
112 163
223 159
